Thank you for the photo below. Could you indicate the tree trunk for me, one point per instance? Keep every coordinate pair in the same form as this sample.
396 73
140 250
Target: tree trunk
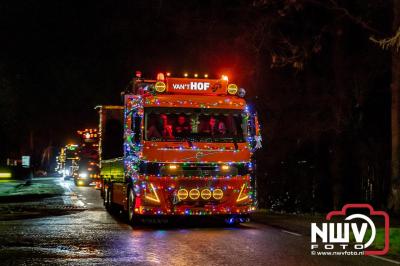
394 197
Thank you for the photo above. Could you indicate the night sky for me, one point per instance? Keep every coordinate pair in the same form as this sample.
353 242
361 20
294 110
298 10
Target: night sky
62 58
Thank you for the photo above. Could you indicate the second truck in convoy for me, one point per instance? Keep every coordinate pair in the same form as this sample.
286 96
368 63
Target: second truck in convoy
177 147
88 171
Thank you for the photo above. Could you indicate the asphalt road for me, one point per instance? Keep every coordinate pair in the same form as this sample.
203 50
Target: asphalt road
94 237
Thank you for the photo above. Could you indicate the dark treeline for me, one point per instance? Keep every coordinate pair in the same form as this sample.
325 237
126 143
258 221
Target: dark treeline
325 104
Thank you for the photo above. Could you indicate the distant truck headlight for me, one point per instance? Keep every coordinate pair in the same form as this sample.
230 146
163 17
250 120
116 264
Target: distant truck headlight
83 175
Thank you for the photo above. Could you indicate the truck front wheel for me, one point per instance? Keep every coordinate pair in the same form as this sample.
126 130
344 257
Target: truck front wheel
131 206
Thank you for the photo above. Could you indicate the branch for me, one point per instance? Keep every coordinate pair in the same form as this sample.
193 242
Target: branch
392 42
335 6
356 20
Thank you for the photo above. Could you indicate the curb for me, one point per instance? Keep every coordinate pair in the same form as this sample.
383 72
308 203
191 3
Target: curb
273 220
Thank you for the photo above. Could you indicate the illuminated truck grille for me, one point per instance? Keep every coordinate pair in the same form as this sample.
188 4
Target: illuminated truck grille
205 171
187 170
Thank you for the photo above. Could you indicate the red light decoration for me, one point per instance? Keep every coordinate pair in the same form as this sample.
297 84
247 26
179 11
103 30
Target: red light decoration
138 74
160 77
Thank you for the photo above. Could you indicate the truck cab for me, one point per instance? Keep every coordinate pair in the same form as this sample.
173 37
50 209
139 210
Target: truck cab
188 148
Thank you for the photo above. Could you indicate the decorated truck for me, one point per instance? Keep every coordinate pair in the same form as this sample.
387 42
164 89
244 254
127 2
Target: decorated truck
88 171
179 147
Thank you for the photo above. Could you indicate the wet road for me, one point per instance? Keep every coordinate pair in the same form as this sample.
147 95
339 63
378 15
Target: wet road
95 237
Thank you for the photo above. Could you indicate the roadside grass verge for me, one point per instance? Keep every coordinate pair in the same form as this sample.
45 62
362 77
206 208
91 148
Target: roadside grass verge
379 243
26 192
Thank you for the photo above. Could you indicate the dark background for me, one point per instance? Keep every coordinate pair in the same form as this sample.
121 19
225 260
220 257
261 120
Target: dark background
320 85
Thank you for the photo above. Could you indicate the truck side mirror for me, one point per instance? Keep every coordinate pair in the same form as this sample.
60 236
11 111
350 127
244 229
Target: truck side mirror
255 133
137 132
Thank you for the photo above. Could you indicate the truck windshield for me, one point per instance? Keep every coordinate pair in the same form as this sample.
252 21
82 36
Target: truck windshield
192 124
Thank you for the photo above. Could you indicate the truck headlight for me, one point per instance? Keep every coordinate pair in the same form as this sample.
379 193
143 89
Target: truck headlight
83 175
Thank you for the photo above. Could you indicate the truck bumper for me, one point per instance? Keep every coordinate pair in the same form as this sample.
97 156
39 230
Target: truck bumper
194 196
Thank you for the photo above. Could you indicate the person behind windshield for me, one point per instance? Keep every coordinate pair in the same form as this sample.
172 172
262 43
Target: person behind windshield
221 129
153 130
167 128
210 128
182 129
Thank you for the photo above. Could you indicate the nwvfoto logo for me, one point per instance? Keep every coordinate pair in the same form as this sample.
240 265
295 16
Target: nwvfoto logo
336 235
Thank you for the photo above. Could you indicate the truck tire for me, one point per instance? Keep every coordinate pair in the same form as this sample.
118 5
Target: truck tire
131 207
108 201
105 197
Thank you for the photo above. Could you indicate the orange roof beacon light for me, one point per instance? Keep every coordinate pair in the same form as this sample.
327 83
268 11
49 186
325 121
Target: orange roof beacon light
160 77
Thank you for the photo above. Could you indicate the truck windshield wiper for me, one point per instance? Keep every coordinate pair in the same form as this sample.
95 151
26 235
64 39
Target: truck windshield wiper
190 143
235 143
